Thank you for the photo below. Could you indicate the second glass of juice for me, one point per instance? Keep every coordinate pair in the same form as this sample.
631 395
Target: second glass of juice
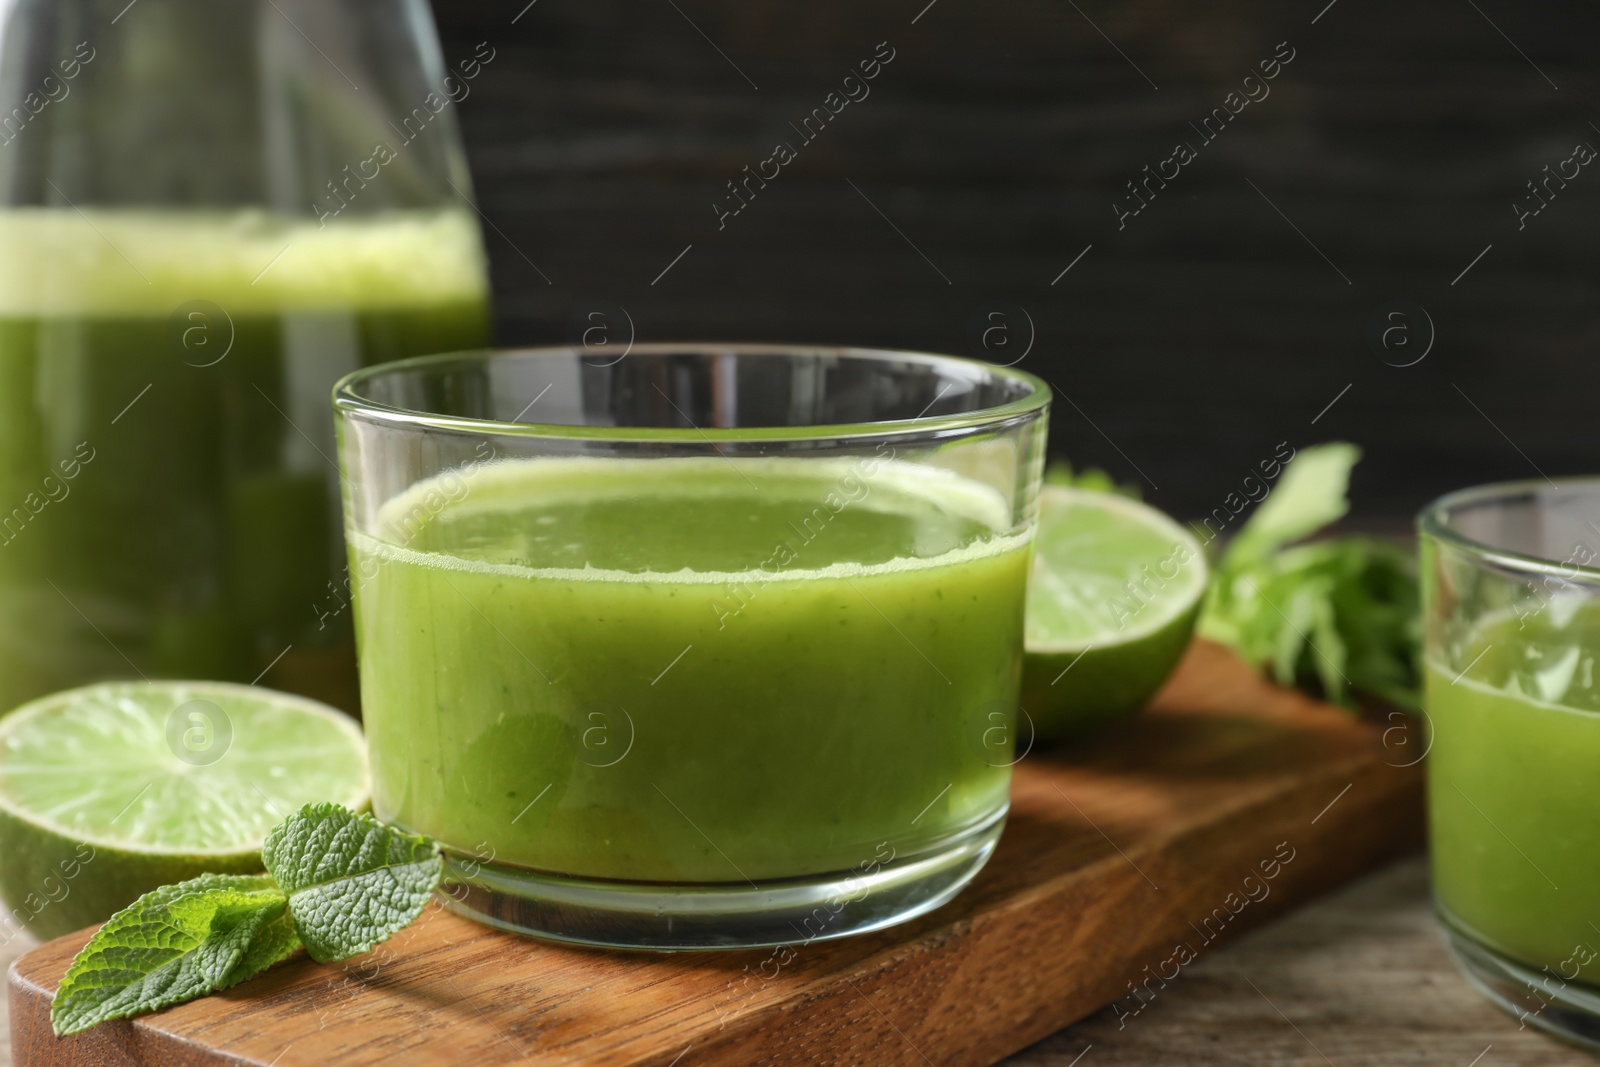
1511 593
708 646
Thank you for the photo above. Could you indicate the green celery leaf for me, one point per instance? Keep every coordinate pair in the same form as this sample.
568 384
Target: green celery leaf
174 944
1309 496
1329 657
352 881
1094 479
1343 612
1376 606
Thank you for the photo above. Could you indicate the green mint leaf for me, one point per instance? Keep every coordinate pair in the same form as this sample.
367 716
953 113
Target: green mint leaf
1309 496
172 945
352 882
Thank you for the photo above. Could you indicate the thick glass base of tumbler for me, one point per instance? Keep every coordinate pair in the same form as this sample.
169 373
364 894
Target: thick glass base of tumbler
1569 1010
654 916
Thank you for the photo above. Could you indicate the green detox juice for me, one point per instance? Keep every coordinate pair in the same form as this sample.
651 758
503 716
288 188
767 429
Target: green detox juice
168 493
1515 833
690 670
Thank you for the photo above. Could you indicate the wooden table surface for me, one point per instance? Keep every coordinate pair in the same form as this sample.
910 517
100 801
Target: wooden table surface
1360 977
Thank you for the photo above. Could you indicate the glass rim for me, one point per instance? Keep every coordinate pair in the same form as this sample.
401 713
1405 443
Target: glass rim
1432 523
347 402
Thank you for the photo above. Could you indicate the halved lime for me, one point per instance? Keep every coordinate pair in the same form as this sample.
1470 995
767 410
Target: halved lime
1112 600
112 790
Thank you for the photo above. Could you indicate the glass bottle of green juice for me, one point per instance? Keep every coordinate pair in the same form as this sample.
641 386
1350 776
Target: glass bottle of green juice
210 210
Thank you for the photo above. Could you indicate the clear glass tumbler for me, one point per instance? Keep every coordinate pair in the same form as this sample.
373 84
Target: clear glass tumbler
1511 595
704 646
210 211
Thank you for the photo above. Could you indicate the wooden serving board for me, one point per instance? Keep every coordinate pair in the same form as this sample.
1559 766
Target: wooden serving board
1226 803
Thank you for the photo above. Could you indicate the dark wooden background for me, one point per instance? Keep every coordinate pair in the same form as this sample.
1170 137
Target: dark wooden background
1188 344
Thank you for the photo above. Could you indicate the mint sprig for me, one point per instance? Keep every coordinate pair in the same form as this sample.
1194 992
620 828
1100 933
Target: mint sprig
174 944
339 883
352 881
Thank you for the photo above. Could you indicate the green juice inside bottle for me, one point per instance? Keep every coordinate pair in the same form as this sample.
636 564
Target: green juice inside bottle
690 670
168 494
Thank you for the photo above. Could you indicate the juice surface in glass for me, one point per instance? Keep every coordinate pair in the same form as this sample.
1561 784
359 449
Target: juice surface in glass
168 492
1515 832
690 670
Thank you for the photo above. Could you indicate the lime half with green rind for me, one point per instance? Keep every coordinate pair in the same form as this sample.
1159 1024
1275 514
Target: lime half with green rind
115 789
1113 596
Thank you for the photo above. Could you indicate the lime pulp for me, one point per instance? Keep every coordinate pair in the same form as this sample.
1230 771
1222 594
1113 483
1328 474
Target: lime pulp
112 790
1112 599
